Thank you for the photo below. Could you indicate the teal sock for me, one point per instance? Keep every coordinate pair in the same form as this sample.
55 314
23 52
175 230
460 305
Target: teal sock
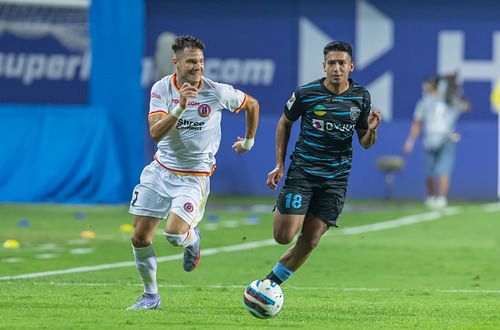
280 274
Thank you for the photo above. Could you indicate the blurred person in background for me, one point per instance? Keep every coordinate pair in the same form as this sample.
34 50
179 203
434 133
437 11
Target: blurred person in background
184 119
436 113
331 109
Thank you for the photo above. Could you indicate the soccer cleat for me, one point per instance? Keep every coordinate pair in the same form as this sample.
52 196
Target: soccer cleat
192 253
146 301
441 202
430 202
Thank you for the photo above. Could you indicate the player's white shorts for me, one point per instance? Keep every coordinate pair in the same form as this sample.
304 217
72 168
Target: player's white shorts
161 191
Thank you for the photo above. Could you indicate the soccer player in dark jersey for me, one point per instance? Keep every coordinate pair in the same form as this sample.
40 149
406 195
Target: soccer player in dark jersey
312 198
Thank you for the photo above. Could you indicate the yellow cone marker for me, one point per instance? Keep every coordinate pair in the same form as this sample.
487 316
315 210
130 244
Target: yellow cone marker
495 97
87 234
11 244
126 228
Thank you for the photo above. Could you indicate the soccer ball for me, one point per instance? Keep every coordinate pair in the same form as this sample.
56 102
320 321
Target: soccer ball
263 298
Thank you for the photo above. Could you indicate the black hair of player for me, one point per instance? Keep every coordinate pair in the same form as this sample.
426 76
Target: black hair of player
187 41
338 46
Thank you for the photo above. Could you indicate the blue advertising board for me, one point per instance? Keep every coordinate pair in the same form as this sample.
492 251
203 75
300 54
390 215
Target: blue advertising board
44 55
268 48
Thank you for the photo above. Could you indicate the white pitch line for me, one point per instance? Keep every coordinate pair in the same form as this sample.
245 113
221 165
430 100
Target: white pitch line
469 291
404 221
300 288
206 252
492 207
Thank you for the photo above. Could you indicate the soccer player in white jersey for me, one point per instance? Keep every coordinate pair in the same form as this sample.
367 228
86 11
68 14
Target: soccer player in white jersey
184 119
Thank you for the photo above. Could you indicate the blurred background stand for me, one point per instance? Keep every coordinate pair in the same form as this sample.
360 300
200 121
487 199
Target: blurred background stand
389 165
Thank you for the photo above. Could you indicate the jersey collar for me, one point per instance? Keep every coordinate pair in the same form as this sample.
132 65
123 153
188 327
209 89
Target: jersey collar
176 84
329 91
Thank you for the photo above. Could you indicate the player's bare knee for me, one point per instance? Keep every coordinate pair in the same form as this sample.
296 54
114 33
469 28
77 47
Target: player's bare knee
283 238
140 241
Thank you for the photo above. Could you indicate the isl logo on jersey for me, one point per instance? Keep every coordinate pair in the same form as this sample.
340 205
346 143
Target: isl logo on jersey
204 110
355 112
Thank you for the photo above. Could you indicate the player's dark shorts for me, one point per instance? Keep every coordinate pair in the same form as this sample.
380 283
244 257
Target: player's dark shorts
303 193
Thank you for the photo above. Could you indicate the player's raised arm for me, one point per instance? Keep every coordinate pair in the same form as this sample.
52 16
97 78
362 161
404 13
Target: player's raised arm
368 137
160 124
252 120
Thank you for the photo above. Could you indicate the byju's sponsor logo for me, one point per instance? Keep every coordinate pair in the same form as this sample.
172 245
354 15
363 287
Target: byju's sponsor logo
322 125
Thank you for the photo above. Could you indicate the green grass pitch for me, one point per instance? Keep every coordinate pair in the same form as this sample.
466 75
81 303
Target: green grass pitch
399 266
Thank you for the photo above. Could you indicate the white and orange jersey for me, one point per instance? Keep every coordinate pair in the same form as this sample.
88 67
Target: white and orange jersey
190 146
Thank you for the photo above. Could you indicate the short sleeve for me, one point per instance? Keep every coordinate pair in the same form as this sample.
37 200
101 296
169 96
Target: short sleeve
231 98
419 110
157 102
366 108
294 107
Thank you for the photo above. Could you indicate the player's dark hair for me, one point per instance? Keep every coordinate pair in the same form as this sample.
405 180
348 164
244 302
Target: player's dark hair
338 46
187 41
432 81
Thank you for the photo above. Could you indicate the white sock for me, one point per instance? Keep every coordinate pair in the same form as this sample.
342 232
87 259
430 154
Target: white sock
186 239
145 261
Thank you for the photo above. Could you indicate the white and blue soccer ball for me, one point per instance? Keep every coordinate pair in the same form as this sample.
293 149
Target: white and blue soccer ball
263 298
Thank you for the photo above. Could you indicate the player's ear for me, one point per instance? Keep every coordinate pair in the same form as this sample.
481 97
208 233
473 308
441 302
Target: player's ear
324 67
174 60
352 67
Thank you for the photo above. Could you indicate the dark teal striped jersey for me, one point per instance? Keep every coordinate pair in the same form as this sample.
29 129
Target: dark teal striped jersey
324 146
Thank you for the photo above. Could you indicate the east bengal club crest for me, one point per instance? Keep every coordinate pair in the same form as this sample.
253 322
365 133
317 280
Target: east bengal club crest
204 110
355 112
188 207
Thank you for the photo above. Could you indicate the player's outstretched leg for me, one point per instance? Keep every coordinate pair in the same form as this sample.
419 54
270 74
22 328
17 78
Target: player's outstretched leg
145 261
311 233
146 301
192 253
